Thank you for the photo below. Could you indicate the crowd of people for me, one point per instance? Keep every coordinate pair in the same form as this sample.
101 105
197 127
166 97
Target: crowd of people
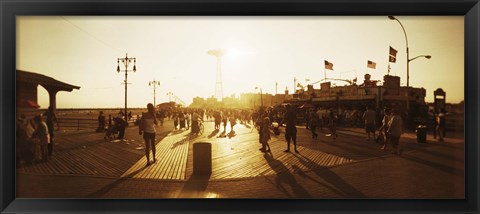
35 137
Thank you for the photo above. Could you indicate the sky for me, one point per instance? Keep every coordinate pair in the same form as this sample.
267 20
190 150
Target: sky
259 52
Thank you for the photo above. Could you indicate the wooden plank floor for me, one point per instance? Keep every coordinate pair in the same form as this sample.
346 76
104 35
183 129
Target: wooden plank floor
239 157
87 153
171 155
232 156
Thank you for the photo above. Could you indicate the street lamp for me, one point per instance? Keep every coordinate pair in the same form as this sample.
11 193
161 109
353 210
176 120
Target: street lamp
408 61
126 61
261 99
406 41
169 94
154 83
426 56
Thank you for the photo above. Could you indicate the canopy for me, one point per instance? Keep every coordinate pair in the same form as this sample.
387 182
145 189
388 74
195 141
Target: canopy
23 103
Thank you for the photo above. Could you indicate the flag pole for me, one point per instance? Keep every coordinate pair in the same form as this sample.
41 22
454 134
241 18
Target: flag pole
325 70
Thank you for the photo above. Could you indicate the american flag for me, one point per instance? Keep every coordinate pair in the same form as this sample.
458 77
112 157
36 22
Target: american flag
371 64
328 65
393 55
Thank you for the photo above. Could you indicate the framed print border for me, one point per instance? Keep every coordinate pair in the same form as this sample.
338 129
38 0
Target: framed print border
9 9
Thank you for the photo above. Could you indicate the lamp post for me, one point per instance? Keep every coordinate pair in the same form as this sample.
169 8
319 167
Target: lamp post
408 61
426 56
154 83
169 94
261 99
126 61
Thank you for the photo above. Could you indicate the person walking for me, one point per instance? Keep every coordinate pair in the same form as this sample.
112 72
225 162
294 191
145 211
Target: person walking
440 127
320 118
101 122
332 124
313 124
175 120
187 119
147 128
290 129
224 121
233 121
217 117
369 118
395 130
384 128
265 134
195 122
181 118
51 120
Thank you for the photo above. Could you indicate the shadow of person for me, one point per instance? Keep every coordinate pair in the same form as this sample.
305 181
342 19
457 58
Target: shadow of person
231 134
101 192
195 187
299 171
181 142
329 176
214 133
283 176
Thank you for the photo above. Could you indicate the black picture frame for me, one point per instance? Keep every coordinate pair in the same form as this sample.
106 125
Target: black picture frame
9 9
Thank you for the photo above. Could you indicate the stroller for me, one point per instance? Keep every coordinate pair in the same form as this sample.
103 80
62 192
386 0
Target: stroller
111 132
276 128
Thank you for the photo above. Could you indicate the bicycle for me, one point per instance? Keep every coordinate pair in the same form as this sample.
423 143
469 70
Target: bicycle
200 130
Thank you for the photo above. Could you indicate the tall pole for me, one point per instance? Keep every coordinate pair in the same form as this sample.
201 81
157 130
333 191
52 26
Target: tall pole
408 61
294 85
126 61
154 83
276 86
261 97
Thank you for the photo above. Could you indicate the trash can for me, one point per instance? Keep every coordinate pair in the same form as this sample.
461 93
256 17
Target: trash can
202 158
422 134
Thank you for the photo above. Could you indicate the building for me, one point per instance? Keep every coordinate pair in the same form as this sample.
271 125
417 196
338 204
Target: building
27 93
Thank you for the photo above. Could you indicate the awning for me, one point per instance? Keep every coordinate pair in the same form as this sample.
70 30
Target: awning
23 103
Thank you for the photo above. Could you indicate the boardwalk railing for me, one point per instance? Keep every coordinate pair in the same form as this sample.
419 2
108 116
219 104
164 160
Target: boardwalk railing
83 123
78 123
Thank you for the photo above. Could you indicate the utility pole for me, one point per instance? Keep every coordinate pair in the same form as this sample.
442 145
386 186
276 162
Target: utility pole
126 61
154 83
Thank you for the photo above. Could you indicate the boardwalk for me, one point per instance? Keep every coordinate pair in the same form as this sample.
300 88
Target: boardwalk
171 155
87 153
346 167
233 156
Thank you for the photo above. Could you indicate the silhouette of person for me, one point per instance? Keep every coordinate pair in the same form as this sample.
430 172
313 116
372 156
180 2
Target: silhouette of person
290 129
147 128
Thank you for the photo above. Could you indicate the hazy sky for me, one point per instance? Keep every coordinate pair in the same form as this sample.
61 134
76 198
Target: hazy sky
83 51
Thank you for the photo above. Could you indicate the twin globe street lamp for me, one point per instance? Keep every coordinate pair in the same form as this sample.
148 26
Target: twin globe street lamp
126 61
154 83
408 59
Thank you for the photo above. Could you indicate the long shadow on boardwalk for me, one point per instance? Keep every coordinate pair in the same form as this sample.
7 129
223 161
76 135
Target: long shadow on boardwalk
284 176
195 187
345 188
444 168
214 133
103 191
